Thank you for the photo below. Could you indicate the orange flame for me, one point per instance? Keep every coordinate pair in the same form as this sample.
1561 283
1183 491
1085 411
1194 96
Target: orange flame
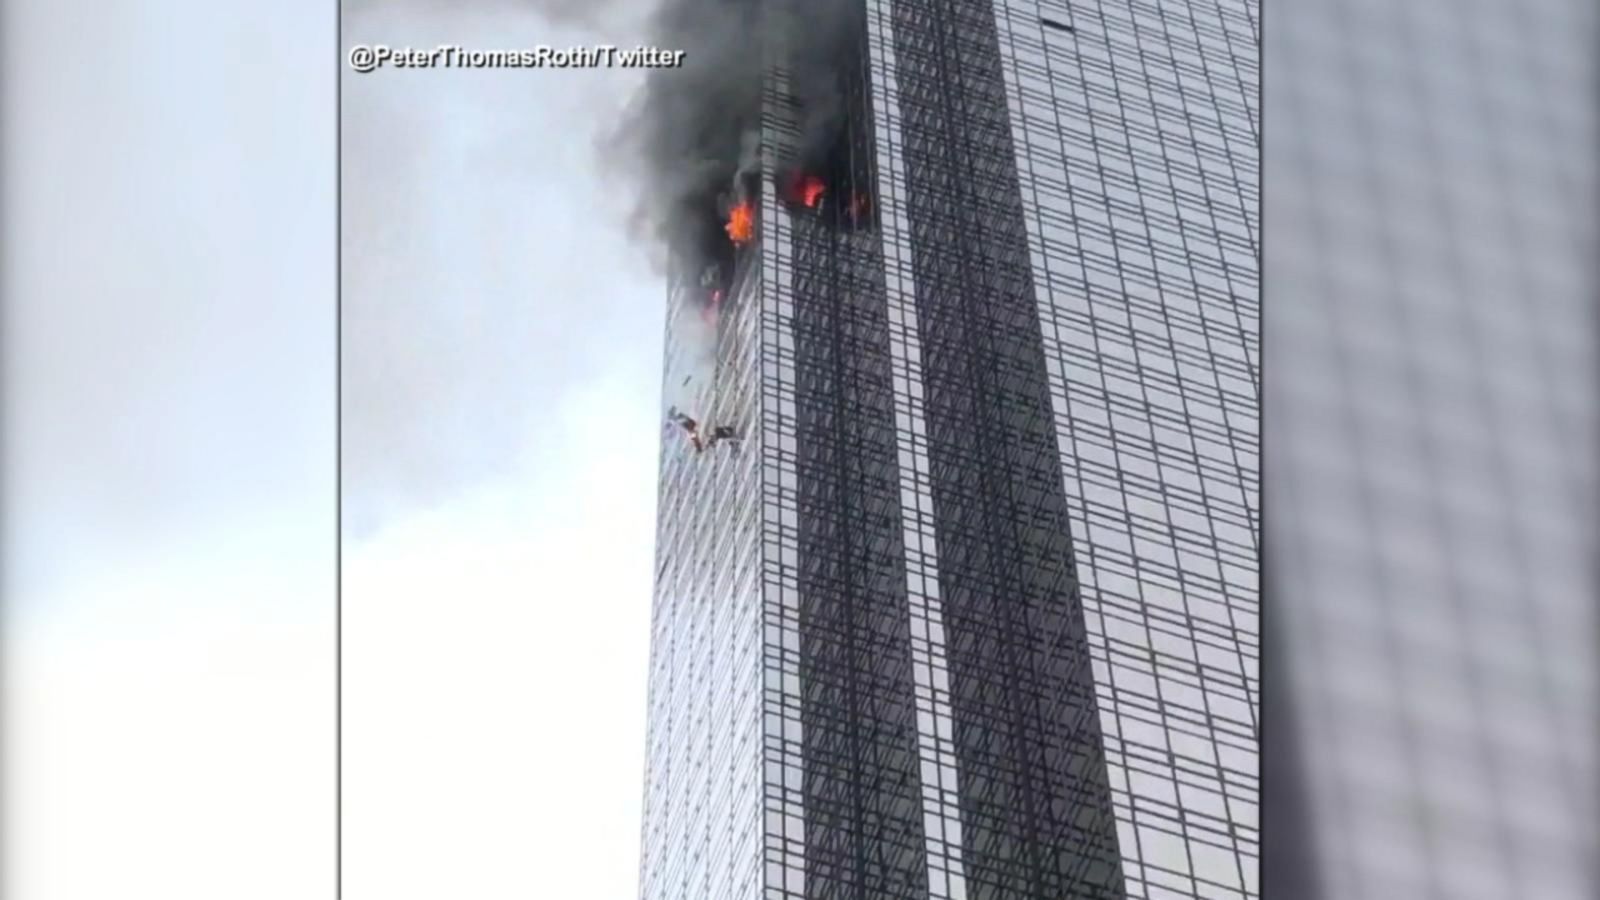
811 189
741 225
804 189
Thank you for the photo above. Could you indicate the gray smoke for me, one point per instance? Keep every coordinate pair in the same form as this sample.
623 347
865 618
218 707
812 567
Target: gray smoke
689 144
692 134
456 357
691 139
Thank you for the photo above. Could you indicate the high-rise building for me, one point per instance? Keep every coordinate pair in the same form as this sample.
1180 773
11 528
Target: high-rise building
970 612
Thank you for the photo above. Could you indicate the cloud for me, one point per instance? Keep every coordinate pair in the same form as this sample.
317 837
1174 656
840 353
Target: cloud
486 271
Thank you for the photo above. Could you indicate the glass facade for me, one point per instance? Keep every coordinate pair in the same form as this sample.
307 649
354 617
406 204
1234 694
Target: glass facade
972 611
1138 131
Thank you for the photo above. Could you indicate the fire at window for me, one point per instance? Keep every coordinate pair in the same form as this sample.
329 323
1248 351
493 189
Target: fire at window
704 143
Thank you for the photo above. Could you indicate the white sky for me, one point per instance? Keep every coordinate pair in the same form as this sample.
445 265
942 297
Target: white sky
501 396
170 446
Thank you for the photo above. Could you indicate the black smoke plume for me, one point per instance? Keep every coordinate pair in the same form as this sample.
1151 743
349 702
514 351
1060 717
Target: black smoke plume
692 138
690 143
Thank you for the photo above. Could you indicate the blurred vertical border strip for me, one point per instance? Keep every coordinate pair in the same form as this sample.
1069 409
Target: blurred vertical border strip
1432 343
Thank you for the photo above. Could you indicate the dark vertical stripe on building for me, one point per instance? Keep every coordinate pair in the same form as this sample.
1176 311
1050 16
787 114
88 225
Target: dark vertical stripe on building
1036 803
864 829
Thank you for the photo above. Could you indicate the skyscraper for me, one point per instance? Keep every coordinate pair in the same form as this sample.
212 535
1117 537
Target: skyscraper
971 609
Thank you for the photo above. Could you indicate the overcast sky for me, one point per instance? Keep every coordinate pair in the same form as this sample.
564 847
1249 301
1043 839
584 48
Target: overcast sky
501 389
170 445
169 436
